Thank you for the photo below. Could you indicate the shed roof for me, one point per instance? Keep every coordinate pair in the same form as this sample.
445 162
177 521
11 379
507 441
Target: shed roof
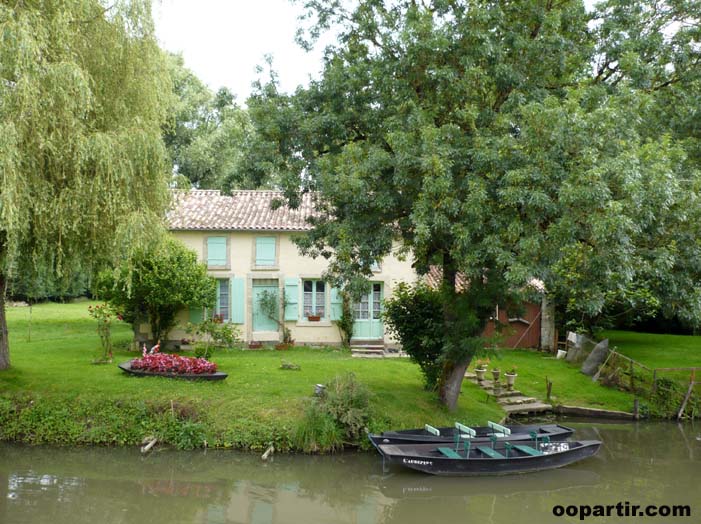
209 210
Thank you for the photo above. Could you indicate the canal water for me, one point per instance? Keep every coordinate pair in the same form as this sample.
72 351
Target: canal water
639 464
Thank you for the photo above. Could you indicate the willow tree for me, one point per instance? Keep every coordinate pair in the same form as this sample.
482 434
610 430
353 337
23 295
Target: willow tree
83 96
499 140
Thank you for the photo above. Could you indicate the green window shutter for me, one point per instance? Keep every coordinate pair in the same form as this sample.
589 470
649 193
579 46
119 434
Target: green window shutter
238 297
196 314
216 251
336 304
292 298
265 251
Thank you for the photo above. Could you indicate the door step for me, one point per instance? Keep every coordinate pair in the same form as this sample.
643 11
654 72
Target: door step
366 352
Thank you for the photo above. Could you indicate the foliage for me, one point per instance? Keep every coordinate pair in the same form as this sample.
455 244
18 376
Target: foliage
667 399
84 93
492 148
206 132
104 314
212 332
347 321
156 284
317 431
167 363
42 285
270 306
341 414
414 315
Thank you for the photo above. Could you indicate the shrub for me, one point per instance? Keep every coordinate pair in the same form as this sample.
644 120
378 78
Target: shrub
341 415
213 333
157 284
414 315
104 314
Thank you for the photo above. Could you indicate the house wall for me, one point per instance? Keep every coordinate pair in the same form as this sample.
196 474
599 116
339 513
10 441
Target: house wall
522 331
289 264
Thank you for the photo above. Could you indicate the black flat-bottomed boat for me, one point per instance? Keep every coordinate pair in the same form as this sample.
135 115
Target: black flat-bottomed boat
503 458
483 434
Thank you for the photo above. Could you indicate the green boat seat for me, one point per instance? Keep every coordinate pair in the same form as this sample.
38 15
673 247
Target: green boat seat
528 450
449 453
490 452
463 434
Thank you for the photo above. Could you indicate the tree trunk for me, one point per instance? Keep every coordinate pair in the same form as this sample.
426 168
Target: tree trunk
4 342
452 384
453 372
548 335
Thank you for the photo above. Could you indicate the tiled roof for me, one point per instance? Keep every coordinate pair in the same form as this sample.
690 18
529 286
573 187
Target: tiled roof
201 210
435 275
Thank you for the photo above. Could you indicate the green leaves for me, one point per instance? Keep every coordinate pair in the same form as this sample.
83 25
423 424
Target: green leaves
156 284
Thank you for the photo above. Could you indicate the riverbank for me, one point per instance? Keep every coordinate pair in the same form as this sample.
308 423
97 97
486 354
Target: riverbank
54 395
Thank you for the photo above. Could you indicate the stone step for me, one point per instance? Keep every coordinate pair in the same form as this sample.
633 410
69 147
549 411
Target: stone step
520 399
367 355
533 407
367 352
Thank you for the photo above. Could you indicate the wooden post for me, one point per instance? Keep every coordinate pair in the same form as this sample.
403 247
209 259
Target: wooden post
654 383
636 409
549 388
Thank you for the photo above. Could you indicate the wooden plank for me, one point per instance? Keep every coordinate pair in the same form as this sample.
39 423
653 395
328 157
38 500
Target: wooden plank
449 453
686 399
490 452
528 450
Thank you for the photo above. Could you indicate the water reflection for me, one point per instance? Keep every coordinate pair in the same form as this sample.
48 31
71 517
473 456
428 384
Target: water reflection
647 464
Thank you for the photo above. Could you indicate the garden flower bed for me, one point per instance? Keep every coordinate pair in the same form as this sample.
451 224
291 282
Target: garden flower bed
173 366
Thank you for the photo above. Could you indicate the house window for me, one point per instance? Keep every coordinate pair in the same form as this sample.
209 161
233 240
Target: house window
223 309
217 252
362 308
266 248
314 298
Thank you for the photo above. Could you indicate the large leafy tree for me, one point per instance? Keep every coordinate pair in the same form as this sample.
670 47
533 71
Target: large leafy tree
503 141
84 93
207 133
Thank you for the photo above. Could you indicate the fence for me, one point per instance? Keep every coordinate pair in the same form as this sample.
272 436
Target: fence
669 391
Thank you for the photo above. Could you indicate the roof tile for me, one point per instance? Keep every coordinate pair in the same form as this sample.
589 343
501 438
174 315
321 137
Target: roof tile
200 210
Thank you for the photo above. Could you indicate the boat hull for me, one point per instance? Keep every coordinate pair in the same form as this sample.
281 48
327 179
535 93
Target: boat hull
554 432
126 367
425 458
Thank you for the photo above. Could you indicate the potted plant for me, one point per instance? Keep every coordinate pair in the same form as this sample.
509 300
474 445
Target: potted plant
313 316
481 369
495 374
511 377
255 344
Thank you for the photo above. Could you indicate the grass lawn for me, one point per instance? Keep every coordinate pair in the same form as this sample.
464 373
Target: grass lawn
570 387
257 399
657 351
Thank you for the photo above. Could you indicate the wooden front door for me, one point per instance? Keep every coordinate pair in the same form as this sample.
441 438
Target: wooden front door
261 321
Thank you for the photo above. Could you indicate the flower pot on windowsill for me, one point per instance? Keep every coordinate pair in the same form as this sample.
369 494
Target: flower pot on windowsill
313 318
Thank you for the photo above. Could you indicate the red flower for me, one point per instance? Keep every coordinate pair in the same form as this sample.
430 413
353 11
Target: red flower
167 363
